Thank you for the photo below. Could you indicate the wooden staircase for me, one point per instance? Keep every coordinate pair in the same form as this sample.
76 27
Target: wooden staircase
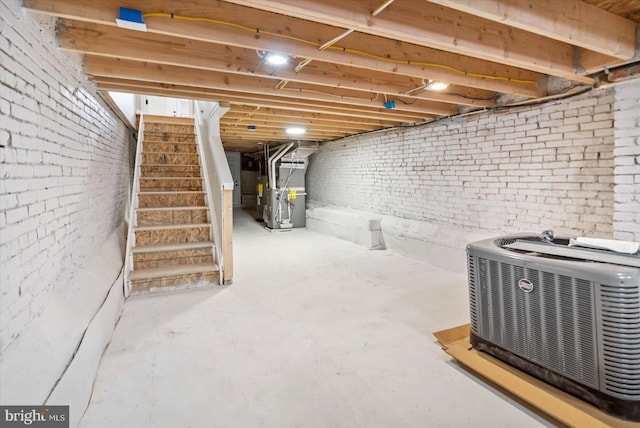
172 244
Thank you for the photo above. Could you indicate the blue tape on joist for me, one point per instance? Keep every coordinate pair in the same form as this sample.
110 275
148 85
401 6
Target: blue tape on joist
131 15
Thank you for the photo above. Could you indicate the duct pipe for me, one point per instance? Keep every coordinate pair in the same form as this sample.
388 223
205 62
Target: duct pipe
272 163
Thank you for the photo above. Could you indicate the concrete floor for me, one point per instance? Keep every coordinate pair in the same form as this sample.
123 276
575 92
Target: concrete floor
314 332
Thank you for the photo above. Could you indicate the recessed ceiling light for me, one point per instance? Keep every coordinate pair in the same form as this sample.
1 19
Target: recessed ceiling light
296 130
438 86
277 59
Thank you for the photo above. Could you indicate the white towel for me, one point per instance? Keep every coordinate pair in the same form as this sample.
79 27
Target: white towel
626 247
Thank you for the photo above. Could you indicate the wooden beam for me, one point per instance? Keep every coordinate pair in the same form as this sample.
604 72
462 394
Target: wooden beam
189 92
243 119
248 146
126 69
102 40
419 61
267 134
244 122
267 127
592 62
426 24
238 110
570 21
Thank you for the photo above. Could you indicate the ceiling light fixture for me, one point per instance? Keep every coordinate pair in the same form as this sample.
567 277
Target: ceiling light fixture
438 86
277 59
296 130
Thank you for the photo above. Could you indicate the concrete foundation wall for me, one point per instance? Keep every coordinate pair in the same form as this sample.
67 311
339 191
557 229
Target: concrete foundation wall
440 245
66 167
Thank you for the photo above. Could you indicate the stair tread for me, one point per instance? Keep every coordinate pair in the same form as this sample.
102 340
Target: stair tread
163 118
171 208
171 178
171 226
158 248
170 192
152 273
171 153
165 123
169 142
146 131
167 164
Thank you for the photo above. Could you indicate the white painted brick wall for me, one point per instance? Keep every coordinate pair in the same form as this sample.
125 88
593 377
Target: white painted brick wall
627 161
65 169
524 169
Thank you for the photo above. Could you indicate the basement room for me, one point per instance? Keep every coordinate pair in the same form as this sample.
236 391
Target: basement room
320 213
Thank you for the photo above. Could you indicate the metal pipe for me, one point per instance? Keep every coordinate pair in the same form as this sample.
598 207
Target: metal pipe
272 163
281 84
303 64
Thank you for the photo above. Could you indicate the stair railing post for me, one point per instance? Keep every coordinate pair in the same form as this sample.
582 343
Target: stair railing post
135 188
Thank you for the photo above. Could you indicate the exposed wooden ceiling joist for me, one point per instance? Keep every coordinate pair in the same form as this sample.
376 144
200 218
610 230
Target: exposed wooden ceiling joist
629 9
570 21
233 118
135 70
423 23
401 58
373 76
190 92
160 49
267 134
259 115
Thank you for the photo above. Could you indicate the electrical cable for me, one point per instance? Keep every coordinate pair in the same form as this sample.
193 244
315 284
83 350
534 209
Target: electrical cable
474 98
344 97
405 102
337 48
534 102
408 103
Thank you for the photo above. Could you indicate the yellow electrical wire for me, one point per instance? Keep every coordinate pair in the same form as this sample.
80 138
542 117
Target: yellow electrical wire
337 48
230 24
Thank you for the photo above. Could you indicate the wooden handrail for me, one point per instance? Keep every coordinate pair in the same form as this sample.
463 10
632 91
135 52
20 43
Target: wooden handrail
135 187
219 190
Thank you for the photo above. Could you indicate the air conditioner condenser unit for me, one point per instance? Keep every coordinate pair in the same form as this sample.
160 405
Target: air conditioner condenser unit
566 315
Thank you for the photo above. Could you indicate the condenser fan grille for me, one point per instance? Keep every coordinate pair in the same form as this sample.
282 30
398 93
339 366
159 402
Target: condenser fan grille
553 325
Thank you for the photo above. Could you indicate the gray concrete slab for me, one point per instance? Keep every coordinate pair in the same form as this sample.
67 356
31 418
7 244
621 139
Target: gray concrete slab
314 332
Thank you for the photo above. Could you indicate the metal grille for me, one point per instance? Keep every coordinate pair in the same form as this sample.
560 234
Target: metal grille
552 326
620 312
471 270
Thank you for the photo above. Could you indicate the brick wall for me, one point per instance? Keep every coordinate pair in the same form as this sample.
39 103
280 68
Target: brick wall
522 169
65 170
627 161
